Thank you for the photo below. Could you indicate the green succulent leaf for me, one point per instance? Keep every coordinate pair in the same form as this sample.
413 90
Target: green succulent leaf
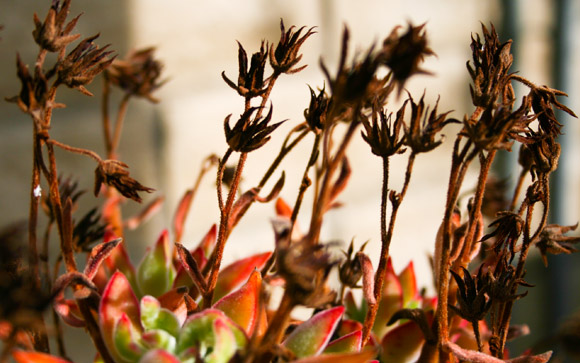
349 343
158 338
127 340
153 316
199 335
311 337
225 343
155 273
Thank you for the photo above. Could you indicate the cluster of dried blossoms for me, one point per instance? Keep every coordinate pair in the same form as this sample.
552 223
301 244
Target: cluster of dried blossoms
181 305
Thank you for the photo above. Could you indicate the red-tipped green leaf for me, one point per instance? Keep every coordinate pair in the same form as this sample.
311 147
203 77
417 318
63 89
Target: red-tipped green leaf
242 305
349 343
21 356
235 274
361 357
127 340
402 343
159 356
118 299
409 284
156 273
311 337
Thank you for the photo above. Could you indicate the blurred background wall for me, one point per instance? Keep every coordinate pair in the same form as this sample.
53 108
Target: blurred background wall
164 144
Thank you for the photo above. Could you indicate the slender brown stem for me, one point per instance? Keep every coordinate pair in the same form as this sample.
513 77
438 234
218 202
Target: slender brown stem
40 339
305 181
517 190
386 238
321 200
459 165
105 112
223 233
122 111
93 155
475 214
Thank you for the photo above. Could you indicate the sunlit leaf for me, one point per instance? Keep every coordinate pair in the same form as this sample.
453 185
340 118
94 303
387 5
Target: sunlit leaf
235 274
242 305
311 337
409 284
349 343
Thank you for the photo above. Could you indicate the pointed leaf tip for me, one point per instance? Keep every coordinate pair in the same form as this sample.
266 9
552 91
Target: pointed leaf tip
311 337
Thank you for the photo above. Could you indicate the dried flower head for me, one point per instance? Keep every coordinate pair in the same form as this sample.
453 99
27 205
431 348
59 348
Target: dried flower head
33 92
490 69
285 56
498 126
88 230
52 34
383 134
68 188
403 54
471 296
248 135
552 240
350 270
305 268
351 83
316 112
543 100
82 64
509 226
114 173
541 155
424 126
138 74
250 81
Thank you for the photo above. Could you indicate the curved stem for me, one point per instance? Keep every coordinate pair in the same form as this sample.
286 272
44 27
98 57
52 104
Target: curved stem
119 125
